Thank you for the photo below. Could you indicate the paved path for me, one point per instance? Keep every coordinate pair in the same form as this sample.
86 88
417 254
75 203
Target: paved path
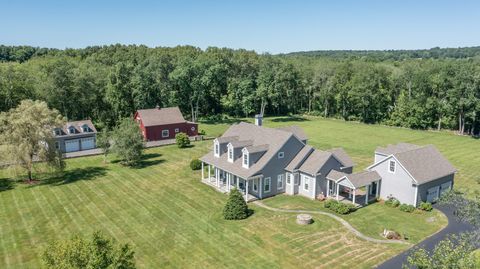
337 218
454 227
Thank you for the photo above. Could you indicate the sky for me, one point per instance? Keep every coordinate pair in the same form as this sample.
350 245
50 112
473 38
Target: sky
264 26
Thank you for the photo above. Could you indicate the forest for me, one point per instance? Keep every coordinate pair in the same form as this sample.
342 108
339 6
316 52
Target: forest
425 89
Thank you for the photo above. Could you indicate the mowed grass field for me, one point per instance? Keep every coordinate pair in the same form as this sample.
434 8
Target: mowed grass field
173 220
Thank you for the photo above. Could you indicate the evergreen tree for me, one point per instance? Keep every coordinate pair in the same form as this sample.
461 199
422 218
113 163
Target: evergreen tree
236 207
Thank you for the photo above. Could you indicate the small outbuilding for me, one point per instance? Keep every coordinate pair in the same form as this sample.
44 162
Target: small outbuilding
164 123
75 136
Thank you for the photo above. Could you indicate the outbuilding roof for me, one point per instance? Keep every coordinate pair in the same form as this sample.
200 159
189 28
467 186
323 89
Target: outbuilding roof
77 125
160 116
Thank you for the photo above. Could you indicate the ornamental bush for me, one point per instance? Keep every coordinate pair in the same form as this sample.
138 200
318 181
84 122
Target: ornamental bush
339 207
426 206
392 202
236 207
407 208
196 164
182 140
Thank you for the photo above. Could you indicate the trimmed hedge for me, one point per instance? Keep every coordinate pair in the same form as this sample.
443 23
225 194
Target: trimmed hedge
426 206
196 164
339 207
392 202
407 208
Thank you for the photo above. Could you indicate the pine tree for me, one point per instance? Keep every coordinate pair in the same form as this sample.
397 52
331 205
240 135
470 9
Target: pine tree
236 207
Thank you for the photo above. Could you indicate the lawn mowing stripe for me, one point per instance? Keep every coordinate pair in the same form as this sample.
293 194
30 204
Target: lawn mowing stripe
71 220
5 220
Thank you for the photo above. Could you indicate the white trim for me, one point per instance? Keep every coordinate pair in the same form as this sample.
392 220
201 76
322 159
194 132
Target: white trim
288 178
216 146
246 154
168 133
269 180
230 149
387 158
416 196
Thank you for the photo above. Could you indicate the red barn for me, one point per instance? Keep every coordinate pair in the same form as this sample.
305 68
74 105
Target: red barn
164 123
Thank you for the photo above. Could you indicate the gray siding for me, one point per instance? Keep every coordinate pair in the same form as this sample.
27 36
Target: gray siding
422 189
399 184
61 139
332 163
277 166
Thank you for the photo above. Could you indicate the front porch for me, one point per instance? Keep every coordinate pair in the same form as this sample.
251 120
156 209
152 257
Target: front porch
224 182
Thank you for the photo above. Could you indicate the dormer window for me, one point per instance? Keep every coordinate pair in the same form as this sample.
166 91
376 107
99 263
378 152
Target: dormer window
230 153
245 159
85 129
216 149
391 166
58 132
71 130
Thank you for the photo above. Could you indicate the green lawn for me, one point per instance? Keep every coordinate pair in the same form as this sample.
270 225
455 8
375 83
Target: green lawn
173 220
372 219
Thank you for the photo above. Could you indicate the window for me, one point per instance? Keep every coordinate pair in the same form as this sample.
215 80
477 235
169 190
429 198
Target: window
280 181
295 179
57 132
85 129
71 130
391 167
57 145
217 149
288 178
230 154
165 133
193 128
281 154
245 160
305 183
266 184
177 130
255 188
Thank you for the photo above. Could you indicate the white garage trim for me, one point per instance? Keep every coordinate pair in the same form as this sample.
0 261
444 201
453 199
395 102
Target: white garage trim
72 145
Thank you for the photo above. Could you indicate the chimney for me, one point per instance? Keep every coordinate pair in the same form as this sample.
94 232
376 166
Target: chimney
258 119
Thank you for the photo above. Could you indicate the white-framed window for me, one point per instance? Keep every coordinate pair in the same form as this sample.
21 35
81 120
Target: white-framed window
57 132
85 129
391 166
71 130
280 181
266 184
165 133
216 148
177 130
57 145
289 176
306 181
230 153
295 179
255 187
193 128
281 154
245 160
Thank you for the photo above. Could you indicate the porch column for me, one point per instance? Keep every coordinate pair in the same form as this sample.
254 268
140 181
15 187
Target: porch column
353 201
203 176
377 188
238 183
229 181
260 187
366 195
246 189
209 173
217 177
328 188
338 189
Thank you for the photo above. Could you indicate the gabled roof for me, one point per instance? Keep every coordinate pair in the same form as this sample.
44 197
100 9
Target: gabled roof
357 180
424 164
393 149
297 131
226 139
241 144
256 149
160 116
299 158
315 162
77 125
342 157
260 136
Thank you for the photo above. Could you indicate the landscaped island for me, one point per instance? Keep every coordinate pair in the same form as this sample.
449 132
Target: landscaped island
173 220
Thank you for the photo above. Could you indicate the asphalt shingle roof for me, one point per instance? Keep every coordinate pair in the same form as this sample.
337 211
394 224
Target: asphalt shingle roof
342 156
161 116
297 131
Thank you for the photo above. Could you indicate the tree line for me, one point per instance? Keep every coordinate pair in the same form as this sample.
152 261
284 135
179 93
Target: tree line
109 83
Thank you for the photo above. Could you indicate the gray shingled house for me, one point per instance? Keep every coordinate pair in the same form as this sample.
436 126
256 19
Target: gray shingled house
412 173
75 136
262 162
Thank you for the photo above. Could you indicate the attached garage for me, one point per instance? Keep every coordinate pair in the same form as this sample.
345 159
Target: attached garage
72 145
88 143
433 194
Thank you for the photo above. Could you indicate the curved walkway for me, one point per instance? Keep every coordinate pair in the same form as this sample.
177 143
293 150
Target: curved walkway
342 221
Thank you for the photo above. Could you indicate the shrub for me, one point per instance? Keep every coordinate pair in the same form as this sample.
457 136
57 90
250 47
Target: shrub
236 208
392 202
196 164
182 140
407 208
329 203
339 207
426 206
202 132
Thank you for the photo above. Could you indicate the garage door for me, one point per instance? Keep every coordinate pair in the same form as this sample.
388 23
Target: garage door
445 187
432 194
88 143
72 145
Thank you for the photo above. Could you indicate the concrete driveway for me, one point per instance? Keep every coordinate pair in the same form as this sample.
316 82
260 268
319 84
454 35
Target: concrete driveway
454 227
